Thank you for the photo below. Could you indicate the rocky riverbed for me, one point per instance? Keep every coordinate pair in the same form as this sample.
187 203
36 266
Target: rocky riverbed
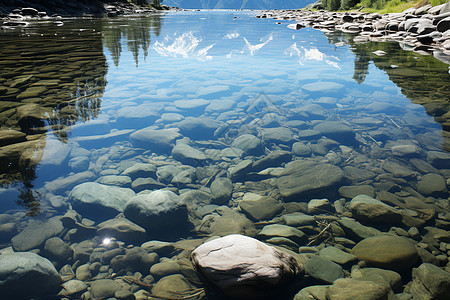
425 30
323 197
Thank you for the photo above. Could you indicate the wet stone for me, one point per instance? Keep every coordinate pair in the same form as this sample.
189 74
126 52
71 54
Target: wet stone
114 180
304 178
336 255
365 208
104 288
262 209
278 230
388 252
57 249
356 230
187 155
35 235
432 184
250 144
349 288
297 219
355 190
337 131
161 140
440 160
244 267
140 170
159 210
121 229
323 270
171 286
165 268
315 291
221 190
430 282
98 201
300 149
73 287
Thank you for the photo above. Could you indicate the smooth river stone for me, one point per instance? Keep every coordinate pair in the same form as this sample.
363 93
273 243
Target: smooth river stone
337 131
365 208
430 282
156 140
387 252
187 155
26 275
99 201
303 178
349 288
244 267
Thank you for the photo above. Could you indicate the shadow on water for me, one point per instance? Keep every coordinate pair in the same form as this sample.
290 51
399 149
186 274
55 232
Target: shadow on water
423 79
51 78
136 31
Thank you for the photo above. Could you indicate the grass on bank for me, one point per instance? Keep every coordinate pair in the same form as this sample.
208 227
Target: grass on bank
378 6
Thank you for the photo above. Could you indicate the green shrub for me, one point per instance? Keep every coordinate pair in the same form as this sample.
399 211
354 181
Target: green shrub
438 2
347 4
331 5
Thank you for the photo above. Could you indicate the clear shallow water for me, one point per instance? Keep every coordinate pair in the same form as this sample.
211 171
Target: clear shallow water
94 83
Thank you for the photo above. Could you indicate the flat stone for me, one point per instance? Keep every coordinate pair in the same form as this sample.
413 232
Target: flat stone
355 190
56 249
337 131
242 266
440 160
312 292
140 170
156 140
336 255
121 229
104 288
356 230
349 288
273 159
281 135
263 209
323 270
137 116
170 287
368 209
165 268
304 178
115 180
278 230
381 276
199 128
35 235
187 155
387 252
73 287
297 219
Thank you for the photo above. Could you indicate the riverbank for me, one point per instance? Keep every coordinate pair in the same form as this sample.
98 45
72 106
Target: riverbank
425 30
79 8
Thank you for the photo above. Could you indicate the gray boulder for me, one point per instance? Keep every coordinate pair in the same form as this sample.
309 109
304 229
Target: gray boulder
221 189
250 144
432 184
274 159
36 233
303 178
187 155
430 282
158 211
323 270
27 275
245 268
198 128
122 229
98 201
365 208
156 140
337 131
354 289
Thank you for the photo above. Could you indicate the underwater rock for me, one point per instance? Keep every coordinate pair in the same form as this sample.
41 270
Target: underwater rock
121 229
187 155
36 233
221 189
365 208
27 275
349 288
303 178
250 144
323 270
161 210
156 140
98 201
387 252
430 282
245 268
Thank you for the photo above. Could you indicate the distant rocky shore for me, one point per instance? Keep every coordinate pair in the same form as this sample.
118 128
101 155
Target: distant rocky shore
18 10
425 30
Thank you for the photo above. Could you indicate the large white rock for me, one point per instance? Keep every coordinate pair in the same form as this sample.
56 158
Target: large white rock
244 267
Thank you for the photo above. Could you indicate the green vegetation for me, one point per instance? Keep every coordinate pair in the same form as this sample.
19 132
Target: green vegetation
379 6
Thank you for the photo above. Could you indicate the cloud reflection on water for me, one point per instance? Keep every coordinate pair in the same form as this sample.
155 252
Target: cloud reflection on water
184 45
313 53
